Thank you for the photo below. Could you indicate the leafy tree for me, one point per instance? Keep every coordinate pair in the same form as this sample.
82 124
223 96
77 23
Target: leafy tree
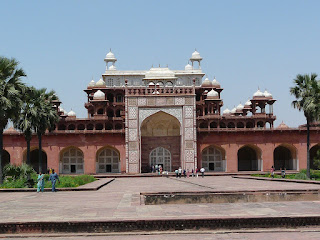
46 116
27 118
307 94
11 91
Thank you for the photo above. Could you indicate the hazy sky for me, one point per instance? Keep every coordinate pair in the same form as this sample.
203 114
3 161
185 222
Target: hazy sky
245 44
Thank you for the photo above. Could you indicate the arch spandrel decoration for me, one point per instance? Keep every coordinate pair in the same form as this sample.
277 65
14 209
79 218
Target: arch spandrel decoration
146 112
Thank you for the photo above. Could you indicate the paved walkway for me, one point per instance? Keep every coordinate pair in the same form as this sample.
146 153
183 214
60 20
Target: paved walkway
121 200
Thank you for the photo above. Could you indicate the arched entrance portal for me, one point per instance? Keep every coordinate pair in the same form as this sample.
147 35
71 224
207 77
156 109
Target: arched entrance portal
5 158
212 159
34 159
283 158
161 156
160 138
314 153
248 159
107 161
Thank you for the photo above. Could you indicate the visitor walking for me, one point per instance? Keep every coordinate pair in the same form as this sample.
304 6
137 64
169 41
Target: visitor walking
283 173
184 173
188 173
192 173
53 178
180 172
177 173
272 171
197 172
202 171
40 184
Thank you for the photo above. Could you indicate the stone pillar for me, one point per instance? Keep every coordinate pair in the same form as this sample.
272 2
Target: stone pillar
231 157
89 157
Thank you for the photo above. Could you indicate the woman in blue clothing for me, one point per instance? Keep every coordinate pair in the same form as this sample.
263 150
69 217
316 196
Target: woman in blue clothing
40 184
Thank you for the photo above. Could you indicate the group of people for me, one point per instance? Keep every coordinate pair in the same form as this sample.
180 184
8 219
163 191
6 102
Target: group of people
283 172
53 177
187 173
157 169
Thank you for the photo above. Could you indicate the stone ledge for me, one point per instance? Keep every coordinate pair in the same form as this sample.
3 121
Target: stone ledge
158 224
278 179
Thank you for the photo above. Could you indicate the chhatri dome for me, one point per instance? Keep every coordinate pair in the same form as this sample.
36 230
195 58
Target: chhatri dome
71 114
267 94
212 94
99 95
91 84
226 111
206 83
196 56
215 83
188 67
110 56
258 94
239 107
100 83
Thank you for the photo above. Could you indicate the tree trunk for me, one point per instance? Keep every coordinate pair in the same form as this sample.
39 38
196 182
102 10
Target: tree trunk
1 147
308 148
28 152
40 152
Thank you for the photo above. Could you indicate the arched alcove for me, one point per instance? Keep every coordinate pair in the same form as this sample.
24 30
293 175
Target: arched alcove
314 153
212 159
34 160
284 157
108 160
71 160
5 158
249 158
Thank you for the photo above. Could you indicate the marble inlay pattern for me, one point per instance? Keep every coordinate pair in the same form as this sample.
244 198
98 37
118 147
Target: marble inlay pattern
188 112
170 101
132 101
146 112
133 134
189 155
142 101
133 123
189 101
161 101
188 123
179 101
133 156
133 168
133 111
188 133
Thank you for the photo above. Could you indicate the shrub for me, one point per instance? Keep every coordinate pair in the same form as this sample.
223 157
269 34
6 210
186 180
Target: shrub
301 175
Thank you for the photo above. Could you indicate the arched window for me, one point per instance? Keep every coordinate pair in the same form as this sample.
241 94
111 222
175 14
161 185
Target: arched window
118 126
99 126
108 161
71 127
213 125
248 159
100 111
161 157
81 127
90 127
212 159
260 124
109 126
203 125
283 158
118 113
119 98
110 113
249 125
72 161
231 125
222 125
240 125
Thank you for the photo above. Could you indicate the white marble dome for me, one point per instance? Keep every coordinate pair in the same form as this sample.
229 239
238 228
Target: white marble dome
213 94
267 94
110 56
99 95
188 67
65 112
215 83
112 67
91 84
196 56
226 111
258 94
248 103
233 111
206 83
239 107
71 114
100 83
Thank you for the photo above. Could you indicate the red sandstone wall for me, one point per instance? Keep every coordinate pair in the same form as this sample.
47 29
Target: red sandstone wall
263 141
54 144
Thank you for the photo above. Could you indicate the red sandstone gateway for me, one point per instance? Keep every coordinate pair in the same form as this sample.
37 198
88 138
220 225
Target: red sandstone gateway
169 118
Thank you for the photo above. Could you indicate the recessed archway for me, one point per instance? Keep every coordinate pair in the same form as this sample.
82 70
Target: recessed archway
160 130
314 153
34 159
284 157
71 160
5 158
249 158
212 159
108 160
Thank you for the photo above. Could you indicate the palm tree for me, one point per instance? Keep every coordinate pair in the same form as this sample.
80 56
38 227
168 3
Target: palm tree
307 94
46 116
27 117
11 91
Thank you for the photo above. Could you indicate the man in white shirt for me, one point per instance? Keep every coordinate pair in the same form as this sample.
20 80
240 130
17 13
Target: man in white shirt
202 171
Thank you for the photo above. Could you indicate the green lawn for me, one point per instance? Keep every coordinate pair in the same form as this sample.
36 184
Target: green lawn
65 181
314 175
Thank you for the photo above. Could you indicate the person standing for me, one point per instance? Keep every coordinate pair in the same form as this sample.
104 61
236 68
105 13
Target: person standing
202 171
180 172
40 184
53 178
272 171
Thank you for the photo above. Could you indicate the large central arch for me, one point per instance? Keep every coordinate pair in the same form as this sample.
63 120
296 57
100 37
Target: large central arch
160 130
284 157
